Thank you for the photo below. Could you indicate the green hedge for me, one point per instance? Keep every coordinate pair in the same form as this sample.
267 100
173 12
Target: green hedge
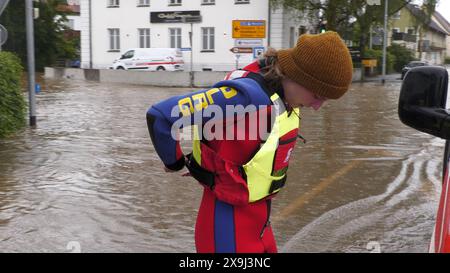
12 102
447 60
402 56
378 54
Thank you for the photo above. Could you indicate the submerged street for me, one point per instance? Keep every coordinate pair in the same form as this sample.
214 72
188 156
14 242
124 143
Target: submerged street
88 175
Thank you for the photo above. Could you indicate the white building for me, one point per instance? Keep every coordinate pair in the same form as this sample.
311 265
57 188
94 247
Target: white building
110 27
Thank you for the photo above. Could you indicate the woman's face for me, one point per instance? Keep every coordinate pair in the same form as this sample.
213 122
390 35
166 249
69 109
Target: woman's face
298 96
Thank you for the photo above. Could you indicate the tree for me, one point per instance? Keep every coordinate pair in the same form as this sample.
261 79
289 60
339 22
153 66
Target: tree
12 102
342 14
49 28
402 56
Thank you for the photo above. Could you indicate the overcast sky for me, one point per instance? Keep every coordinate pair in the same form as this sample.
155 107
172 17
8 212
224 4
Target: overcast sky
444 8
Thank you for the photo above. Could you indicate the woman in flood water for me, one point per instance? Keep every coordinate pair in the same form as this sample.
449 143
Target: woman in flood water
241 157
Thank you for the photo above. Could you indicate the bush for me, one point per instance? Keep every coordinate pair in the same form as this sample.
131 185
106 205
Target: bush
402 56
12 103
378 54
447 60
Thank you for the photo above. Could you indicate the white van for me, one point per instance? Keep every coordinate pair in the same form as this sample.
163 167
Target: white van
153 59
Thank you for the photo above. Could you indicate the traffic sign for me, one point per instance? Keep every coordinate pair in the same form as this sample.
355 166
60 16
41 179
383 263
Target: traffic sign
249 29
3 35
242 50
3 4
258 52
248 42
192 19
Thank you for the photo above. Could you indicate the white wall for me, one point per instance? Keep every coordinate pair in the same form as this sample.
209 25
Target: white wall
76 22
85 33
128 18
281 23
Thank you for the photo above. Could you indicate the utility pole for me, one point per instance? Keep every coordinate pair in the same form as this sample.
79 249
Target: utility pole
386 4
31 60
191 20
191 76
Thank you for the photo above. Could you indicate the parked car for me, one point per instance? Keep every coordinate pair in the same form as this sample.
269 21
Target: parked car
153 59
74 63
422 106
410 65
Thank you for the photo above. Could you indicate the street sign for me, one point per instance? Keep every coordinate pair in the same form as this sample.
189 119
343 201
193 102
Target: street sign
258 52
248 42
3 35
175 16
242 50
186 49
369 62
192 19
249 29
3 4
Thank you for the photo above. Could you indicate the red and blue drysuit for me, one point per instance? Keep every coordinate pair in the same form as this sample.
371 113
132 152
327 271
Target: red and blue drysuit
220 227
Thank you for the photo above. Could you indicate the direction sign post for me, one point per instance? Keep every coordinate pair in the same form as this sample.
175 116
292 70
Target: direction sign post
255 29
242 50
191 20
248 42
237 60
258 52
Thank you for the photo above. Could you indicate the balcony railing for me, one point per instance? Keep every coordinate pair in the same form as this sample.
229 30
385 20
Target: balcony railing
424 45
438 46
402 36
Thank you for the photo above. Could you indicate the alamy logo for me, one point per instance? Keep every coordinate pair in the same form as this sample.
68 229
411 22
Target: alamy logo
235 122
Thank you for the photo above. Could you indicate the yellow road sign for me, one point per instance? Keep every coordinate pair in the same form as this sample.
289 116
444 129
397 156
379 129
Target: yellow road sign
249 29
369 62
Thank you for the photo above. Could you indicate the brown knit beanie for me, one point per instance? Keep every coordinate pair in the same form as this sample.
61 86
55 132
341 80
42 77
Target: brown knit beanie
321 63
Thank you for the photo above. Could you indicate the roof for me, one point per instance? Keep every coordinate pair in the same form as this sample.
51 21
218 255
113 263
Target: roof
439 17
417 12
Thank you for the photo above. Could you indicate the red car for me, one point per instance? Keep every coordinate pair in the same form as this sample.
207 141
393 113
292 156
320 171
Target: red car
422 105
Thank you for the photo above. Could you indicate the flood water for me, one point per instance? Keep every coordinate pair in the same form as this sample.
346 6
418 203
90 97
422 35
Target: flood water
87 178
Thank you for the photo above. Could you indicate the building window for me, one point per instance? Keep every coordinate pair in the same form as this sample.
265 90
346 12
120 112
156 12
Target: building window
410 30
292 37
396 15
114 39
242 1
113 3
208 2
208 39
70 23
175 37
143 3
301 30
144 37
174 2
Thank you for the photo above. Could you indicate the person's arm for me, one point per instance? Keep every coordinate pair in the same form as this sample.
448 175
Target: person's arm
162 116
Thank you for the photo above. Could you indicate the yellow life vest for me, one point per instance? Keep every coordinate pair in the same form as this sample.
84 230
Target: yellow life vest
263 175
262 180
